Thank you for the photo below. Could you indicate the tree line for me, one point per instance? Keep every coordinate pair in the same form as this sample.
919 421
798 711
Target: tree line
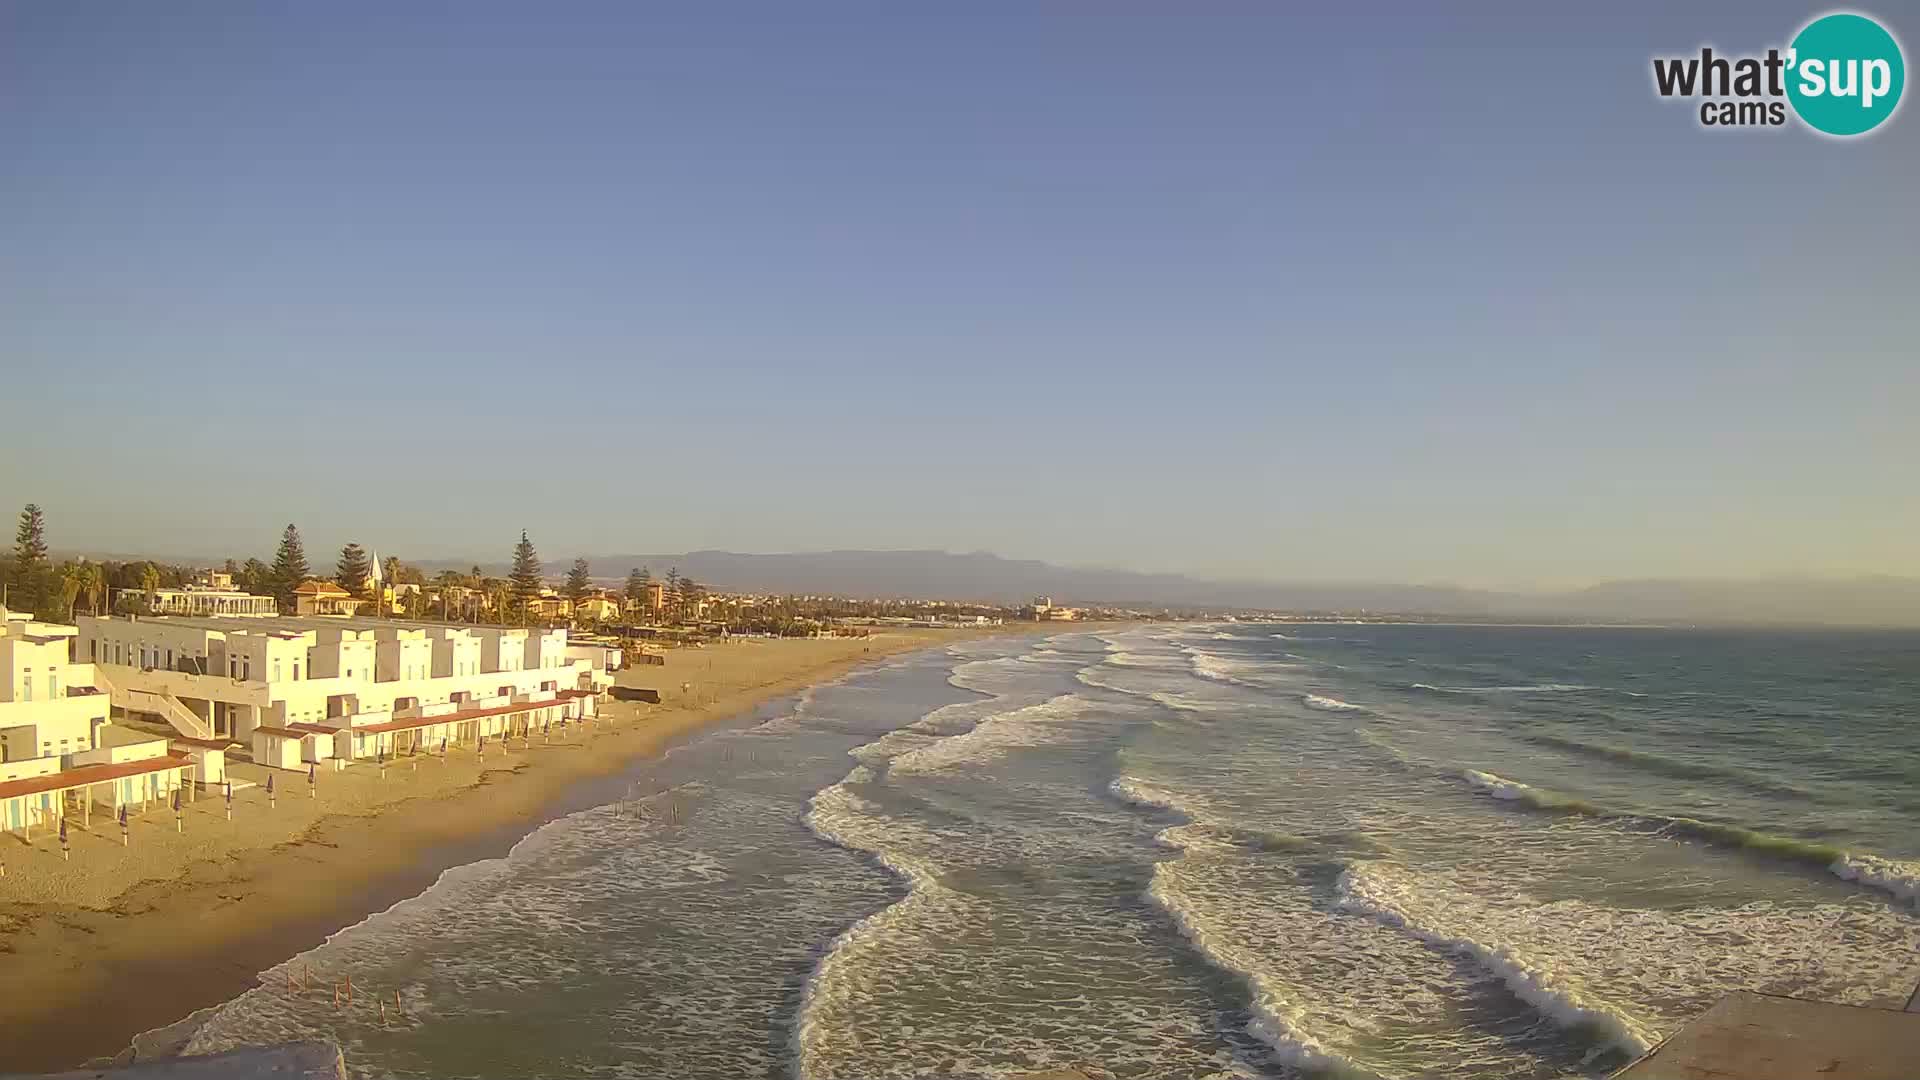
32 583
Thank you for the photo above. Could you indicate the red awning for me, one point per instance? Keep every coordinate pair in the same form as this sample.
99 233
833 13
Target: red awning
92 774
412 722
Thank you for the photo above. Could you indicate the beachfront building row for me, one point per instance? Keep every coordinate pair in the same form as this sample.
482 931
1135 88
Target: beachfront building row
341 688
60 751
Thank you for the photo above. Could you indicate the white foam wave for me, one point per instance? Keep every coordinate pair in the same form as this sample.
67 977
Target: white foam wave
1902 879
1143 660
994 736
1497 786
1372 889
1140 793
1331 704
1274 1022
1220 669
1531 688
845 820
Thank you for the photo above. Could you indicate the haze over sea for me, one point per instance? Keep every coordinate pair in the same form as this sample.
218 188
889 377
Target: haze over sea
1219 851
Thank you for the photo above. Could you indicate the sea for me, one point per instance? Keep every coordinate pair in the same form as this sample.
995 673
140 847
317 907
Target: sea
1182 851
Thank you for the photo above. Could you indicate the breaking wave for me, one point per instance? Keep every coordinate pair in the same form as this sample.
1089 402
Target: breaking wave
1369 889
1901 879
1533 688
1330 704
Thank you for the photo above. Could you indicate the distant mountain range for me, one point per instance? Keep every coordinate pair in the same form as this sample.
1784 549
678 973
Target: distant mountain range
988 578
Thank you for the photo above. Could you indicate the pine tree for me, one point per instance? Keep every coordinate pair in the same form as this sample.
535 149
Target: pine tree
670 598
690 594
289 569
636 587
579 583
352 570
525 575
30 560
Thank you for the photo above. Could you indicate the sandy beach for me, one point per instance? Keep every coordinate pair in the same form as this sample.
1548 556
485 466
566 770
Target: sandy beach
118 941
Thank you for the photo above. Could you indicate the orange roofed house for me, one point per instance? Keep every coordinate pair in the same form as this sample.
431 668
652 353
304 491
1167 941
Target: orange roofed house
318 597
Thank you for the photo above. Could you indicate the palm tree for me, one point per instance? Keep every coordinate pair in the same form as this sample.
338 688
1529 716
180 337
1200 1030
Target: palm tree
73 579
93 582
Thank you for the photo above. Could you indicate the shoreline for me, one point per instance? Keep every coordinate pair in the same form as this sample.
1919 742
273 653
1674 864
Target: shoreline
144 958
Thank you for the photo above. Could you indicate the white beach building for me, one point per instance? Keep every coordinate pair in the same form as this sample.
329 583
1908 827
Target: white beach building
59 750
347 689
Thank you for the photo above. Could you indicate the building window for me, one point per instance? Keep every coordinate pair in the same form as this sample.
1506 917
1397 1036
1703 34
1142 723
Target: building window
276 671
53 685
27 688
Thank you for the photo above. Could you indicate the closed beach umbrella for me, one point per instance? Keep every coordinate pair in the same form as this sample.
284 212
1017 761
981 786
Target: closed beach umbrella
63 830
269 785
230 792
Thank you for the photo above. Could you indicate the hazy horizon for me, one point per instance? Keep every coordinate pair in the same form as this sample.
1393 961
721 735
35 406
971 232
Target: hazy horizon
1443 298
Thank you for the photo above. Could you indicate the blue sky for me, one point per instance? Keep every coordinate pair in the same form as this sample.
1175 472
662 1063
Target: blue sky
1401 294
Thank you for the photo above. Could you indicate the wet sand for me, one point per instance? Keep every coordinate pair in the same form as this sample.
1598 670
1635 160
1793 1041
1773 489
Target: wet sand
123 940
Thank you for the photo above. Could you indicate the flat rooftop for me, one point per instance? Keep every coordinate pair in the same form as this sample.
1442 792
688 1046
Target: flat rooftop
1749 1036
295 624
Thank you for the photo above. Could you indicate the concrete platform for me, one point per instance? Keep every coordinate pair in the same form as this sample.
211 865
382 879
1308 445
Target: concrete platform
1756 1037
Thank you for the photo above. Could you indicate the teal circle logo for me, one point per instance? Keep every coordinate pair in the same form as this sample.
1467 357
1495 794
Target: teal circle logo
1845 74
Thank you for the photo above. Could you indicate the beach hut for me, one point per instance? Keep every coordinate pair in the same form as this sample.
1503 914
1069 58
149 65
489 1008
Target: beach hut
209 757
279 748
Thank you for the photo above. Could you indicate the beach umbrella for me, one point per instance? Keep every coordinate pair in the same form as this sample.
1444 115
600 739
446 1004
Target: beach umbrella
179 823
229 787
312 780
271 801
65 852
123 825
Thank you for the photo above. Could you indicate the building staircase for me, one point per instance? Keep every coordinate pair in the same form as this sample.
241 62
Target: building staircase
157 702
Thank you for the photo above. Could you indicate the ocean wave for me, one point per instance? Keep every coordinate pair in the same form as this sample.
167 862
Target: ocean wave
1331 704
1369 889
1539 798
1221 669
995 735
1667 766
843 819
1274 1021
1532 688
1140 793
1901 879
1142 660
